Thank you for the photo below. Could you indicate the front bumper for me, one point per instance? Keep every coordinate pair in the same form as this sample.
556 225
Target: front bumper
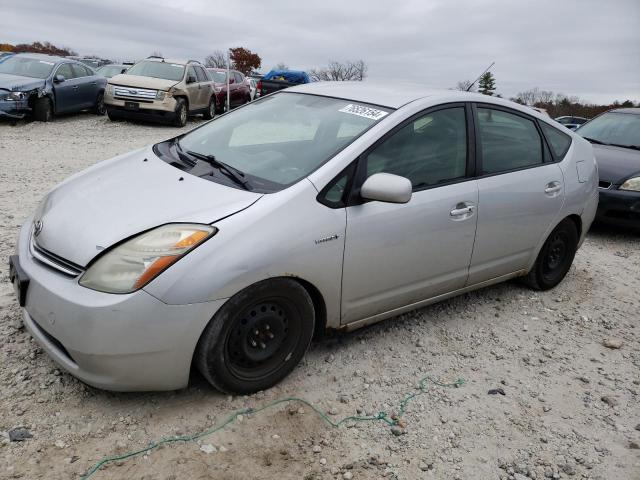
131 342
167 105
14 109
619 207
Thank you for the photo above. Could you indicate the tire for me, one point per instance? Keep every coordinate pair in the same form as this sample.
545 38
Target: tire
113 115
211 109
100 107
181 113
43 110
234 359
555 257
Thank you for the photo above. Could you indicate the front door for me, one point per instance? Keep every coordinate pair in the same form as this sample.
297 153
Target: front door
67 93
520 194
399 254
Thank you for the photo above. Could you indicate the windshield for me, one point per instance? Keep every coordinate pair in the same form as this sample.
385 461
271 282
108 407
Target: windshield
27 67
280 139
168 71
110 70
218 77
621 129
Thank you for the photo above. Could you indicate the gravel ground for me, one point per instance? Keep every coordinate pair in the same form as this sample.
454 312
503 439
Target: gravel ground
570 407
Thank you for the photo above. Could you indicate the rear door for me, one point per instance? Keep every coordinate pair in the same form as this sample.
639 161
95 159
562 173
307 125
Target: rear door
399 254
521 191
205 88
87 86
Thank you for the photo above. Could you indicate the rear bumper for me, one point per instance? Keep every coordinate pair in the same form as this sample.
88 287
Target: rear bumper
15 110
131 342
618 207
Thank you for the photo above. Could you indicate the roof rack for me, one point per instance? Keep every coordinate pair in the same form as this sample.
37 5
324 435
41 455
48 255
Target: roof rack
156 56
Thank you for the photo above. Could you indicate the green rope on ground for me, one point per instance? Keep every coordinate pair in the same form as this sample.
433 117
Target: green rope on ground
381 416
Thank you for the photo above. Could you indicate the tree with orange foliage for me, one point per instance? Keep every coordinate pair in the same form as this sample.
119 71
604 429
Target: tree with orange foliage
245 60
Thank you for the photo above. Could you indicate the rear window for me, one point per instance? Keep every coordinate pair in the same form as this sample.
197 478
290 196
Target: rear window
558 141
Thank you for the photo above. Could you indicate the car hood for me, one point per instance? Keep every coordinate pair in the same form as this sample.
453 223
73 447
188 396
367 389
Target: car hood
616 164
142 82
121 197
20 83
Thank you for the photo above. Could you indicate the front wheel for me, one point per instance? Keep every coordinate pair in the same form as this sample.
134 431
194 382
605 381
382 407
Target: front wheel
180 119
555 257
257 337
43 110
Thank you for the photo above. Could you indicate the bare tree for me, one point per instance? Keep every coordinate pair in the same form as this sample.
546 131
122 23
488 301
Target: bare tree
281 66
464 85
217 59
157 54
337 71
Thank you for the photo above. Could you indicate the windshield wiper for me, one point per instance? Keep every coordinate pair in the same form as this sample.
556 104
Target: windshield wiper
232 172
632 147
597 142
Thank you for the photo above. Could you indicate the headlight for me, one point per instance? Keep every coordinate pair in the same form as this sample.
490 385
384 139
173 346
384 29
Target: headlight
632 184
16 96
160 95
109 89
134 263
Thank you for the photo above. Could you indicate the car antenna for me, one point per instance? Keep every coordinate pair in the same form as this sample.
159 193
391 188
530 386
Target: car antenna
479 76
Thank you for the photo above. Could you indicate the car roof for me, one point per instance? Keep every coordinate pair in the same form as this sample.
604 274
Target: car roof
42 56
400 94
172 60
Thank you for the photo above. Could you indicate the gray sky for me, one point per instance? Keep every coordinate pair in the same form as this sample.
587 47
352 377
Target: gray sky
588 48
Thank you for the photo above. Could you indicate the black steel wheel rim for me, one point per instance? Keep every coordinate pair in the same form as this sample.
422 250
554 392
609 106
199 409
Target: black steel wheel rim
262 338
556 255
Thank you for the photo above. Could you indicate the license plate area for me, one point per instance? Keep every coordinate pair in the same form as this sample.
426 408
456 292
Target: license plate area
131 105
19 279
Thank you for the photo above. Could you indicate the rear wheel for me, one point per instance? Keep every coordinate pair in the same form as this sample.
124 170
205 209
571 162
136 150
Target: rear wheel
180 119
555 257
43 110
257 337
211 109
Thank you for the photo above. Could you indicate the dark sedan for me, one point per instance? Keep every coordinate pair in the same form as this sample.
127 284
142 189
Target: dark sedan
615 136
42 85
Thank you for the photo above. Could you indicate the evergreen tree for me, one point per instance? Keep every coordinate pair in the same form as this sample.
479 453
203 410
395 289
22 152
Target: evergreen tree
487 84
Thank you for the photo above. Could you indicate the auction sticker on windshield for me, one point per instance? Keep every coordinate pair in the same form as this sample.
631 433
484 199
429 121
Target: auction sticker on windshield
362 111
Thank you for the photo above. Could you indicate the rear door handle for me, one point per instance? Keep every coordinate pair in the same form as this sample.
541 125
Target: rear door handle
552 188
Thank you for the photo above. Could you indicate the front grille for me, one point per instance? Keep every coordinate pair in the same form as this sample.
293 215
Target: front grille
604 184
54 261
133 92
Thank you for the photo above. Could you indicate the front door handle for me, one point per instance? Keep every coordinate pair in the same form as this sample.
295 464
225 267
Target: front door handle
552 188
462 210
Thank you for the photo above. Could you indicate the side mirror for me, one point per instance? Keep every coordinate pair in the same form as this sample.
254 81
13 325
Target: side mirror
59 79
123 70
232 80
191 79
386 187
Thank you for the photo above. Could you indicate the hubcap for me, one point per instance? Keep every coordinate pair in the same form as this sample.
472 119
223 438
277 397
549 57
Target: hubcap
183 115
261 339
556 254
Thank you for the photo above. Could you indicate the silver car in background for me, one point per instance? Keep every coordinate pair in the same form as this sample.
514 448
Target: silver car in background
324 206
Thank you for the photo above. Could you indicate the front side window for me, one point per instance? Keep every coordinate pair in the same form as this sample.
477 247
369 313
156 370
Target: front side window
66 71
27 67
79 70
430 150
166 70
507 141
612 128
218 76
281 139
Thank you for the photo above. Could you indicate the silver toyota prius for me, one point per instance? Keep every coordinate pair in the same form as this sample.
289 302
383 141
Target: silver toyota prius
324 206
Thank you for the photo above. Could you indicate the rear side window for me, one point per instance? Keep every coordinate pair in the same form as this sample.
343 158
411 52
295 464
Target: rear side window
507 141
558 141
238 77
